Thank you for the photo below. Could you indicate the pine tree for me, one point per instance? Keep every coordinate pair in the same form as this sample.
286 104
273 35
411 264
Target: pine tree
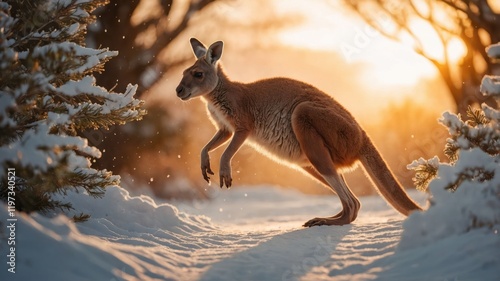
48 96
473 151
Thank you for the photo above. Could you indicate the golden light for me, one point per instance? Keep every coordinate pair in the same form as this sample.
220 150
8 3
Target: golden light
401 71
495 5
319 28
431 44
456 50
387 63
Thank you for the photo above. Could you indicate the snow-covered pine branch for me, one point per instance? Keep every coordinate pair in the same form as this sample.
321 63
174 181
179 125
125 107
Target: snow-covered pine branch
490 85
48 96
473 174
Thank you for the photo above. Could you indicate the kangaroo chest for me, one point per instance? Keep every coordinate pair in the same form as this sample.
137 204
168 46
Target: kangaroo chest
221 118
271 131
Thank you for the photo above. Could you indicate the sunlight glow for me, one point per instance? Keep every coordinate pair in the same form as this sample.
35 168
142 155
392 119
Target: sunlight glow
495 5
315 32
456 50
431 43
335 29
399 72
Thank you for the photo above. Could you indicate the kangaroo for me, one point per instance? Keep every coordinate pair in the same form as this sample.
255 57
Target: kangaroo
293 123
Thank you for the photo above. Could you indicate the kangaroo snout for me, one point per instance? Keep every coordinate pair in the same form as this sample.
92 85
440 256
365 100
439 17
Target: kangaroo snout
182 93
179 90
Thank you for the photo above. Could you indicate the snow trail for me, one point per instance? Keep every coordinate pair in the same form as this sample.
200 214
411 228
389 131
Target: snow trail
356 253
243 234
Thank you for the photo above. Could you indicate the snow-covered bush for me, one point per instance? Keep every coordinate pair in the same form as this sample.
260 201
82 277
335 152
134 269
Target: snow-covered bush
48 97
465 193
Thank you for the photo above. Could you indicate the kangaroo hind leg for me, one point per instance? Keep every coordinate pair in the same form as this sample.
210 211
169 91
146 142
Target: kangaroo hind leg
350 204
319 155
312 172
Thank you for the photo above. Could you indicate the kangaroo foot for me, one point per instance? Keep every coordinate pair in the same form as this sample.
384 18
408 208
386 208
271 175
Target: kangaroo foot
338 219
346 216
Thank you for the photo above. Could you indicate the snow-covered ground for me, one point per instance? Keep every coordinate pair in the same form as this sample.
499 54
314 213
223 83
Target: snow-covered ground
243 234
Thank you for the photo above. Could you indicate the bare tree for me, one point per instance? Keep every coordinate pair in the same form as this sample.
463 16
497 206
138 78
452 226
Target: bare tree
474 22
139 63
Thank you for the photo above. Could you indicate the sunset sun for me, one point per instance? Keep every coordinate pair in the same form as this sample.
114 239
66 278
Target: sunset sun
388 63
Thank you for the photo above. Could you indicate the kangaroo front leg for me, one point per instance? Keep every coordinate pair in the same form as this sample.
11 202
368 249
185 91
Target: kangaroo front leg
218 139
239 138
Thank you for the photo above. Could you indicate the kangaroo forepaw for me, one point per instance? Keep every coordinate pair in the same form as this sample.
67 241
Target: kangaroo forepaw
205 171
205 176
205 165
226 180
225 175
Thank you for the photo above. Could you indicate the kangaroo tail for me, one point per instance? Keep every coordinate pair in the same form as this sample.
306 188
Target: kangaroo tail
383 179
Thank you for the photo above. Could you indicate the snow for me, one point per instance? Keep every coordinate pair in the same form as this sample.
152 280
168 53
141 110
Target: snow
113 102
490 85
87 85
67 31
6 101
30 150
87 58
464 212
473 204
493 51
245 233
52 5
491 113
434 162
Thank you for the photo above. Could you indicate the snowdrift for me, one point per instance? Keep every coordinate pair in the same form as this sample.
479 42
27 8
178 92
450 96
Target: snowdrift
107 246
242 234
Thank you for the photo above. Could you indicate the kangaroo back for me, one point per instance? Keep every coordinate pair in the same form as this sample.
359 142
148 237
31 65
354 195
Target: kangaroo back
383 179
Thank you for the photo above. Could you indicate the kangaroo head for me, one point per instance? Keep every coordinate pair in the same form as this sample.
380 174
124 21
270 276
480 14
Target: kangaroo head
200 78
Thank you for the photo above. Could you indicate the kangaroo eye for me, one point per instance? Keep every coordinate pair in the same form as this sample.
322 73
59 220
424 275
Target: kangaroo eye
198 74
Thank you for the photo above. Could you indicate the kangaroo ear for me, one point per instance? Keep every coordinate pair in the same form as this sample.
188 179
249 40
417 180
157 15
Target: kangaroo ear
199 49
214 52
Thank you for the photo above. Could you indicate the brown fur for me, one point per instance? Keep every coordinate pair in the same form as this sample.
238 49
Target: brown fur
292 122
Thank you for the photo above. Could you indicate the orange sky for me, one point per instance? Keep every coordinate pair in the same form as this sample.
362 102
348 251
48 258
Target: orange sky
333 27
